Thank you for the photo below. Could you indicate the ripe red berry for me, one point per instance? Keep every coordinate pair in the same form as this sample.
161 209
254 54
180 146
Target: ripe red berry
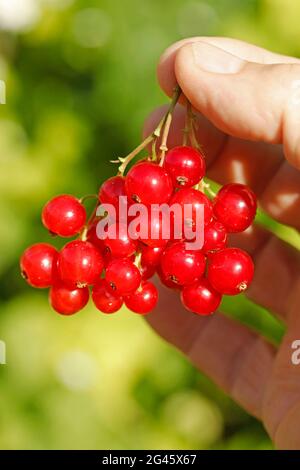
147 270
111 190
37 264
186 166
167 281
215 237
104 299
235 207
230 271
201 297
157 234
150 255
195 199
64 215
122 276
80 263
119 244
144 299
181 265
93 238
67 300
148 183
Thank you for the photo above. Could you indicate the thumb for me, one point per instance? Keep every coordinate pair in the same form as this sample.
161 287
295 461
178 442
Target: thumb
245 99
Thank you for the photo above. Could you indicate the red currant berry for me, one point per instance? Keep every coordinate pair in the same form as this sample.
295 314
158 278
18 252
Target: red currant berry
230 271
111 190
185 165
122 276
80 263
166 281
67 300
215 237
147 271
156 234
195 199
119 245
150 255
181 265
37 264
94 239
64 215
148 183
143 300
235 207
104 299
201 297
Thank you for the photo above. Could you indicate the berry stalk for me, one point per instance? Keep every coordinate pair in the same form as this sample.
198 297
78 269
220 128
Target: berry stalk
165 122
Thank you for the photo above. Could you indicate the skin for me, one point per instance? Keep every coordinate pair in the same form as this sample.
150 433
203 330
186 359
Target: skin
248 105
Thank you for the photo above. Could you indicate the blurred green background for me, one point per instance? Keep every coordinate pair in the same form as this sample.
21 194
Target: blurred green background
80 78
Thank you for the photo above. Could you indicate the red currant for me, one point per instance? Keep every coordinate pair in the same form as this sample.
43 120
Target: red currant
37 264
104 299
166 281
196 199
144 299
201 297
148 183
120 244
67 300
181 265
215 237
111 190
185 165
235 207
230 271
80 263
64 215
156 234
147 270
150 255
122 276
94 239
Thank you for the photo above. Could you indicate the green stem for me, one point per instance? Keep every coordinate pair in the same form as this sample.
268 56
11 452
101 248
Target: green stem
88 196
153 136
167 124
207 188
191 126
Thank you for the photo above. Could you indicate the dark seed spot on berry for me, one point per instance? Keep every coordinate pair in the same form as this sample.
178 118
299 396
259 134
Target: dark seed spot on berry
173 278
24 275
181 180
135 198
112 285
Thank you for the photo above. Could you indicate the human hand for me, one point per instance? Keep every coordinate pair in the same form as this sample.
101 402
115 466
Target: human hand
248 101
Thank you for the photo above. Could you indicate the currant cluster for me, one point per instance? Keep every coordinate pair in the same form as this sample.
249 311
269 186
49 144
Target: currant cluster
116 269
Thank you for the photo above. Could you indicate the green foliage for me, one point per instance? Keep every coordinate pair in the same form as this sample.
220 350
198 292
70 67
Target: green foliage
80 79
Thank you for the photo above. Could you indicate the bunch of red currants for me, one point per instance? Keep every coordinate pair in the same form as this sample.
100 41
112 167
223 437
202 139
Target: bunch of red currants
117 268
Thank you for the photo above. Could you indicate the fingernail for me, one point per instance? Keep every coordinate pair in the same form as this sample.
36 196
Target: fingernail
213 59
